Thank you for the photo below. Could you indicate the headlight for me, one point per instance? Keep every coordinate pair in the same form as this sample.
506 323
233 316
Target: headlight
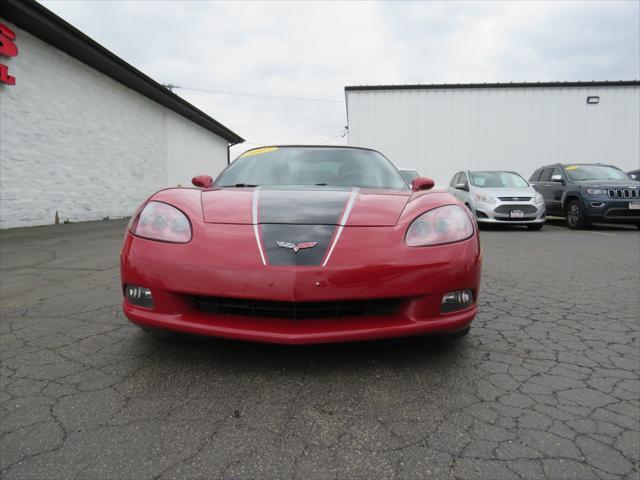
539 198
484 198
159 221
596 191
446 224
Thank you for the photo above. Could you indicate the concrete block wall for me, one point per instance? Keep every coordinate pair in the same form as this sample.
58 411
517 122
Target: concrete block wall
76 142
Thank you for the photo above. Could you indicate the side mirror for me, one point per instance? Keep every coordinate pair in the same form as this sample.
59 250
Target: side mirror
421 183
462 186
557 178
202 181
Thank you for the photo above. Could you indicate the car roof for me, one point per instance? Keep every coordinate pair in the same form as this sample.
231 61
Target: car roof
575 163
350 147
508 171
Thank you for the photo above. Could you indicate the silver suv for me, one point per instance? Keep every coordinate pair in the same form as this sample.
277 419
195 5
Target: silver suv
499 197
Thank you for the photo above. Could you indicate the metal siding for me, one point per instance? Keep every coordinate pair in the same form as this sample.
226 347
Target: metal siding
441 131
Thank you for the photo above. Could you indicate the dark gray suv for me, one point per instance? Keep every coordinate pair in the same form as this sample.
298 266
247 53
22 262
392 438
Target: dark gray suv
584 193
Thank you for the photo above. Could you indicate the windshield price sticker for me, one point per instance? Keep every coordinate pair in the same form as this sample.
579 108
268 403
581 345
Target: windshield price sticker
258 151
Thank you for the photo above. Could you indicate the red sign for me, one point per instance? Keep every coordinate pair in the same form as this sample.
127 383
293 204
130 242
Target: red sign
7 49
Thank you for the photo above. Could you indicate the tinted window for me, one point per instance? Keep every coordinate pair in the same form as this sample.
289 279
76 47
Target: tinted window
557 171
535 176
454 180
308 166
546 175
463 178
497 180
594 172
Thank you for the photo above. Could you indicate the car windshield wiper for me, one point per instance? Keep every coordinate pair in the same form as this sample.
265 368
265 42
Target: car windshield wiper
244 185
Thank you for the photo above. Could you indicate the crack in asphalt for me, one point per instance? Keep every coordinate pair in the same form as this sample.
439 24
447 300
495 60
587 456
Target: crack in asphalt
547 383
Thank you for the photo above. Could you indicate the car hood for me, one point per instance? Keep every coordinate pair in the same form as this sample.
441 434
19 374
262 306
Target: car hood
609 183
304 206
506 192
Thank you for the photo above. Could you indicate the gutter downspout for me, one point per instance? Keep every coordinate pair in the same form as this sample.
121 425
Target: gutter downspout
229 151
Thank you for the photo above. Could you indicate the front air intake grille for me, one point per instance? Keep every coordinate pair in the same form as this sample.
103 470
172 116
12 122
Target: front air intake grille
506 209
623 193
622 213
515 199
297 310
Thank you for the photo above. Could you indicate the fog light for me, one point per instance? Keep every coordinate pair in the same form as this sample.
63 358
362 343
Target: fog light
457 300
139 296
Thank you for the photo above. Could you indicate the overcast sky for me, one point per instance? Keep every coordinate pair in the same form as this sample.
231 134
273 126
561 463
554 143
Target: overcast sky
312 50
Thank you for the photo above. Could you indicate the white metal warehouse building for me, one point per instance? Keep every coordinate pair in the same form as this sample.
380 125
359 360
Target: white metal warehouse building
439 130
85 134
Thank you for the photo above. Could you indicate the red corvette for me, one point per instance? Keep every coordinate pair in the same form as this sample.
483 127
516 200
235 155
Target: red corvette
300 245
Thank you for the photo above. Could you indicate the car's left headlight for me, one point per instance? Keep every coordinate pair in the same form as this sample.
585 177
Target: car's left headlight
161 221
446 224
482 198
539 198
596 191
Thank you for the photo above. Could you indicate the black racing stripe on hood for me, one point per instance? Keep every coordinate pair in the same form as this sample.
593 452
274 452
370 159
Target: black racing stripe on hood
302 207
294 234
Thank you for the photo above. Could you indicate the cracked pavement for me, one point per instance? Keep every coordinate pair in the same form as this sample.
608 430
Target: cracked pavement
546 385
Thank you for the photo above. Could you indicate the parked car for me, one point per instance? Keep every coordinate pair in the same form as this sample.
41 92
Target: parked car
634 175
408 174
499 197
301 245
585 193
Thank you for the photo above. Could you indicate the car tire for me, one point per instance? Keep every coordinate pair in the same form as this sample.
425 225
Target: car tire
576 216
535 226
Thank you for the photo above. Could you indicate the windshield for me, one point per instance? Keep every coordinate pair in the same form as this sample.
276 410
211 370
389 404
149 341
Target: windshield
311 166
594 172
497 180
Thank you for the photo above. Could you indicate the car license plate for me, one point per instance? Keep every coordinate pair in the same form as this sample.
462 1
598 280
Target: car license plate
517 214
634 205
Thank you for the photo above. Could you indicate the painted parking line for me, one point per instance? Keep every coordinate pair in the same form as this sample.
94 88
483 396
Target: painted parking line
599 233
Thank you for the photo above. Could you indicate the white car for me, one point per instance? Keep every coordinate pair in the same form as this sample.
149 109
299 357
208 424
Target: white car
499 197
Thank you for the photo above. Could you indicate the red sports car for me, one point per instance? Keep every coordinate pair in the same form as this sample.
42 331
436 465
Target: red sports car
301 245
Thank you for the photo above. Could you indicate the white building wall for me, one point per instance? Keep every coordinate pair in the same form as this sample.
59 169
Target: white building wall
441 131
192 150
73 140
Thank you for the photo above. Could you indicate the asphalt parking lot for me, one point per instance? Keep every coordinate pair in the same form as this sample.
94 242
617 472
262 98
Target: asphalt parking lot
547 383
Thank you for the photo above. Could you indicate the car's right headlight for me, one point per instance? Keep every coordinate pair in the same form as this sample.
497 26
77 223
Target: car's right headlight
596 191
446 224
161 221
484 198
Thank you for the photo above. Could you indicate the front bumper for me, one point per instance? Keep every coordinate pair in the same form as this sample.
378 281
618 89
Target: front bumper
602 209
501 213
416 277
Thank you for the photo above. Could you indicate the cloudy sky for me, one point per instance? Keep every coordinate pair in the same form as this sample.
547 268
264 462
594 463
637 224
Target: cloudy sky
311 51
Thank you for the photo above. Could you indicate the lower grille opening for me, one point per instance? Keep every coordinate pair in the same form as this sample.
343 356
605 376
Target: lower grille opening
506 209
622 213
297 310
